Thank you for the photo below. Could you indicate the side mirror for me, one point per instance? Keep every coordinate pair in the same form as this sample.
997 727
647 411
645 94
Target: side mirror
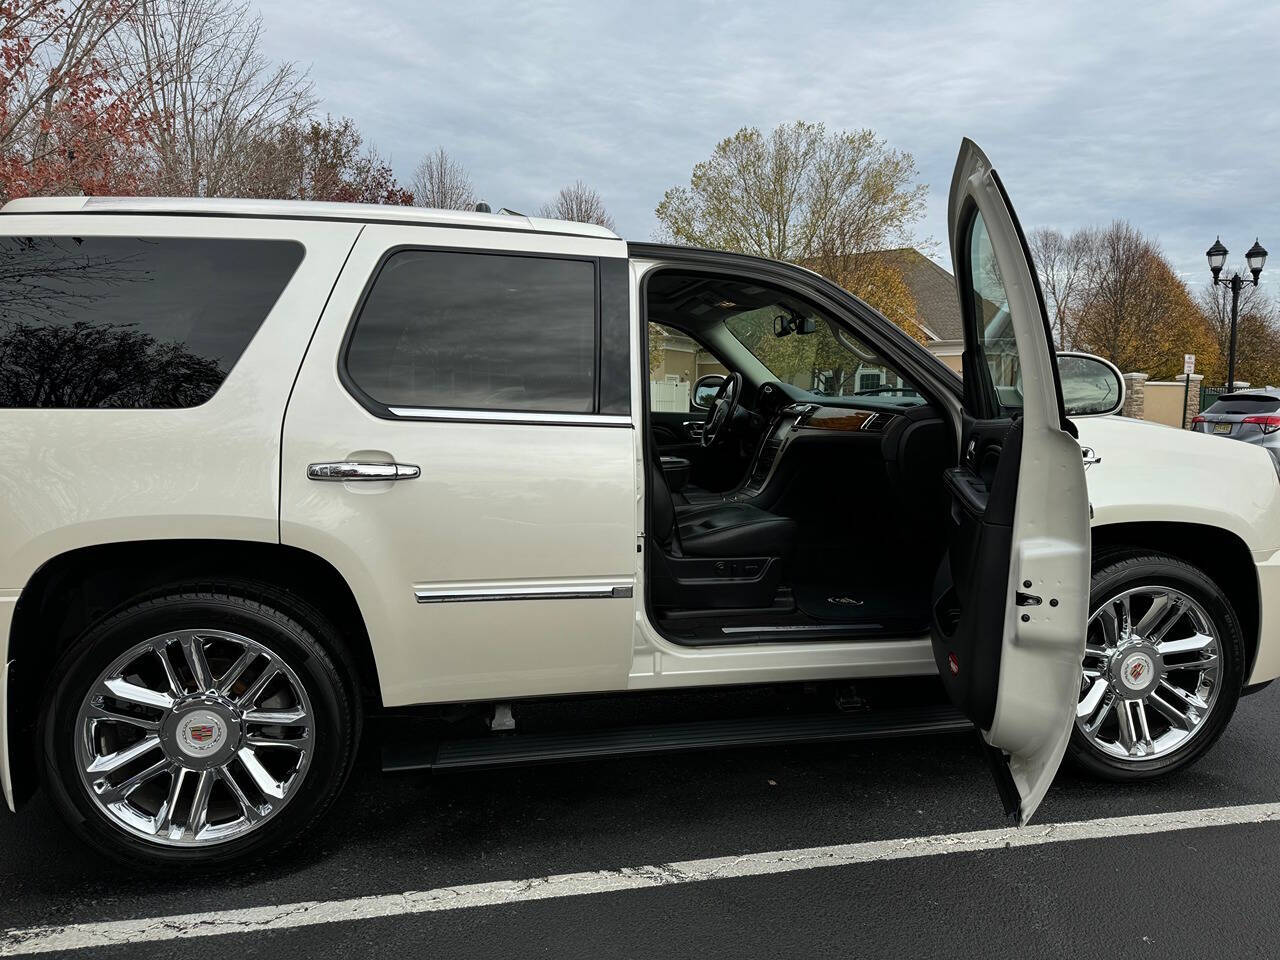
1091 386
705 390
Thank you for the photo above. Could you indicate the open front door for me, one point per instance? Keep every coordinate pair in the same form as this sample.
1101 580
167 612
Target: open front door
1011 600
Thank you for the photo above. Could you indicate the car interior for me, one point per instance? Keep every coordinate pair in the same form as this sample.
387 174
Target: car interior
797 497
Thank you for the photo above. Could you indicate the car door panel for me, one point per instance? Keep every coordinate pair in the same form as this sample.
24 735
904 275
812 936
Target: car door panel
678 433
1011 599
504 566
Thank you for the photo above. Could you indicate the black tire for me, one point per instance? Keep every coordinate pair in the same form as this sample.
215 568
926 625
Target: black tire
1119 570
286 625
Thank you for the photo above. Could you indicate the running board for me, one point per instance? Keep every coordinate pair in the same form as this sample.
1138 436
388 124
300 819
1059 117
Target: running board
479 753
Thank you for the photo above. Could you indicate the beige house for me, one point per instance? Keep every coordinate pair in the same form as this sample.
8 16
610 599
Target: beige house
681 365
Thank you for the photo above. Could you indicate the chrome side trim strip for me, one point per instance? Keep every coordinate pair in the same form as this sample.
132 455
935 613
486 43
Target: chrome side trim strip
800 629
511 416
595 588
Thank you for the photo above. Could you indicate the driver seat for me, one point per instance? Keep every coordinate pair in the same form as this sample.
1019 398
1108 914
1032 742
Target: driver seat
720 529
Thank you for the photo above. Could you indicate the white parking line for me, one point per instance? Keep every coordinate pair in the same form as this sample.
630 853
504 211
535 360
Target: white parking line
310 913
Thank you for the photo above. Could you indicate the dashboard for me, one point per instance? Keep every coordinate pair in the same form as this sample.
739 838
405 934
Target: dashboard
790 420
773 396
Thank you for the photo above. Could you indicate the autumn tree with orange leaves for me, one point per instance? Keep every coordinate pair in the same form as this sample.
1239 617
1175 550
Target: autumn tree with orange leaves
1134 310
67 123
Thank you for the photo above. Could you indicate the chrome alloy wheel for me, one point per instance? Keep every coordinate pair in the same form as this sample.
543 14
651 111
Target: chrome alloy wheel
1150 674
194 737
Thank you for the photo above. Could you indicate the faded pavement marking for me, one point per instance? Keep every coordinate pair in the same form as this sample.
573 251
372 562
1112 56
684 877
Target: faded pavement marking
81 936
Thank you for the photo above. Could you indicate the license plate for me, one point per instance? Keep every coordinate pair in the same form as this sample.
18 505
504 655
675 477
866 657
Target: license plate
1222 428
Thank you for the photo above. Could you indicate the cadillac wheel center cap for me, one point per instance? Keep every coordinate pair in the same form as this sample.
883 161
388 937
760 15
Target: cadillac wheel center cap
1136 671
201 733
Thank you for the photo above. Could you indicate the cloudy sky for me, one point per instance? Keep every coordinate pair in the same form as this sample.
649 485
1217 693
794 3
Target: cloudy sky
1167 114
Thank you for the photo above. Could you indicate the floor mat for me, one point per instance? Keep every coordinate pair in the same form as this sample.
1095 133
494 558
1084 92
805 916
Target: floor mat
862 599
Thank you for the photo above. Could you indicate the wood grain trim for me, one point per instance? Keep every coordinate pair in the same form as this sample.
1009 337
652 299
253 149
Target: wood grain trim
832 418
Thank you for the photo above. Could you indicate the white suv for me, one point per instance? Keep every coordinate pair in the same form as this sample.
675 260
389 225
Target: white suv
270 465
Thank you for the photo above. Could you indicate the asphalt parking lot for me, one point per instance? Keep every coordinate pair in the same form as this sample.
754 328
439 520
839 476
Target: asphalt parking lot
1123 890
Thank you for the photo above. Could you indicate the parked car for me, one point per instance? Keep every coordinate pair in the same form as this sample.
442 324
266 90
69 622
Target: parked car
1249 415
270 466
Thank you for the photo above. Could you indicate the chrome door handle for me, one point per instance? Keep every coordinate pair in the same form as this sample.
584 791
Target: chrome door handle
694 428
1089 457
344 471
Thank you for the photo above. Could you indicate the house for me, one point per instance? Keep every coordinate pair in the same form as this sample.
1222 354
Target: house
937 306
680 363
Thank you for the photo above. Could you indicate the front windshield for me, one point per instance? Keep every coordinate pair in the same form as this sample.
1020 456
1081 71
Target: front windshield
828 362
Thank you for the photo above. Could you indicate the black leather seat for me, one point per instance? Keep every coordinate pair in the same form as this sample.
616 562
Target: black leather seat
717 529
676 471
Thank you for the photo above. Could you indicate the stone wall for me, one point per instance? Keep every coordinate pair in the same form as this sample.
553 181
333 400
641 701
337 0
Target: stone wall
1134 395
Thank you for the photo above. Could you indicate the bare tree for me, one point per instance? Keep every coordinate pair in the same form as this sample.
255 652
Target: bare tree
200 65
1063 262
579 203
443 183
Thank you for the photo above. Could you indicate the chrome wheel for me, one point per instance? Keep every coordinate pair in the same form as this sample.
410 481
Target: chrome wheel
194 737
1150 675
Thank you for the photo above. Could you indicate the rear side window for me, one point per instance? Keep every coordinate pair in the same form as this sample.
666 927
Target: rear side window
1245 405
141 322
478 332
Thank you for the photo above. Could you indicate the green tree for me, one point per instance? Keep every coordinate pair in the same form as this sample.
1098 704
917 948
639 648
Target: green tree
824 199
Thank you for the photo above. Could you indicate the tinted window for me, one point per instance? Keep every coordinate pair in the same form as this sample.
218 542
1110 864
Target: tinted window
676 363
478 331
131 321
1245 405
990 306
828 361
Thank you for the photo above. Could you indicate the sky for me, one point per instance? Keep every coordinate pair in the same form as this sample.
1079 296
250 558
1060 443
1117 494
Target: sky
1165 114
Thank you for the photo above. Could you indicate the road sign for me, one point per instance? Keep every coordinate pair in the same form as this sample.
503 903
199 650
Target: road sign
1188 363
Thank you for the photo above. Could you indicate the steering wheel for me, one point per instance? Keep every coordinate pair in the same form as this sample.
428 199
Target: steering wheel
723 406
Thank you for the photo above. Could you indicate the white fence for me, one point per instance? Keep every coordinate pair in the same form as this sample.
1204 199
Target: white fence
669 396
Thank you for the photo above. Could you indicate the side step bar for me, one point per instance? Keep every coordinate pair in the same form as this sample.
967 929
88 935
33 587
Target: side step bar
480 753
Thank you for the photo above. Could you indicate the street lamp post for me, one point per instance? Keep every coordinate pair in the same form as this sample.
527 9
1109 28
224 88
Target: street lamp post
1217 255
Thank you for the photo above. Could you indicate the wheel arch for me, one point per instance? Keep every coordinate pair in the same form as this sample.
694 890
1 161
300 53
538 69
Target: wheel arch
101 578
1221 554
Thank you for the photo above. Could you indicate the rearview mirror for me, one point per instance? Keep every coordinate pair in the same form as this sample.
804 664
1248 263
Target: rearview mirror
785 324
704 391
1091 386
